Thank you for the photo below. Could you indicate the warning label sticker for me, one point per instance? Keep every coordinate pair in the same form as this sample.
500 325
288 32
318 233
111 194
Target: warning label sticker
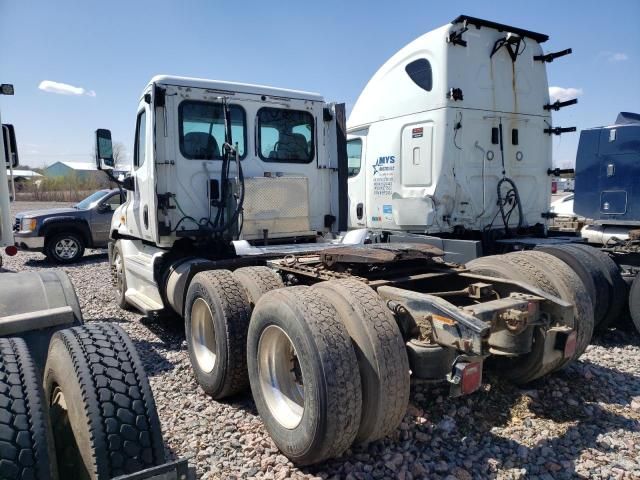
417 132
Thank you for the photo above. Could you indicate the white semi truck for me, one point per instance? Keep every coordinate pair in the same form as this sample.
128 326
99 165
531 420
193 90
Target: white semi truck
450 144
75 400
235 218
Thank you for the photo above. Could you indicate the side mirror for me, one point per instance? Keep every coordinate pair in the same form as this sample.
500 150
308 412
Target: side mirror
104 150
129 183
10 145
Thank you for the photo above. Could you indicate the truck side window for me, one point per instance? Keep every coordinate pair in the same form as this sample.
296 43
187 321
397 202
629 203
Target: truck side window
285 135
420 72
202 131
354 156
140 142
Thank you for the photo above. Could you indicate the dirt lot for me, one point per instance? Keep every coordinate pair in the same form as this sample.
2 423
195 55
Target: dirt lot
581 422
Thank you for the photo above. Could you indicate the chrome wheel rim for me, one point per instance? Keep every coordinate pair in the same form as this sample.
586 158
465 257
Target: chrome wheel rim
66 248
280 377
203 335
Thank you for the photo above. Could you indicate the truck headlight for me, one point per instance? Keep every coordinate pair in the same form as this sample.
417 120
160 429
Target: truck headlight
28 224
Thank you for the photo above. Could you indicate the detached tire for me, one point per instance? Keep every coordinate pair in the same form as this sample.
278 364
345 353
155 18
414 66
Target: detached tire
102 411
381 353
304 375
257 281
25 437
217 313
64 247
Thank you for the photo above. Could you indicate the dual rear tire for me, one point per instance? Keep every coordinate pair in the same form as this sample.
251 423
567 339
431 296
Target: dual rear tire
327 365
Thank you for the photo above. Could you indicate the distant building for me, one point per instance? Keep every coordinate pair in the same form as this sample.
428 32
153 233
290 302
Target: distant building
81 170
21 177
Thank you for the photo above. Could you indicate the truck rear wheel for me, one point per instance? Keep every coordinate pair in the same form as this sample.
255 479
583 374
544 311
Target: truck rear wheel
217 313
119 277
590 272
381 353
617 286
304 375
531 366
25 437
257 281
634 302
569 288
102 411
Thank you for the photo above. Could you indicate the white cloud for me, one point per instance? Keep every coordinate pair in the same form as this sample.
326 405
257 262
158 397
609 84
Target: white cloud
64 89
618 57
564 94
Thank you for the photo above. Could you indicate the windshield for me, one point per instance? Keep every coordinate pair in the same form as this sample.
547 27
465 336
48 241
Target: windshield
91 200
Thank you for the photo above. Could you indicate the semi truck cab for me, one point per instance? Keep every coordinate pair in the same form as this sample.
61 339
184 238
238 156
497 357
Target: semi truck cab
443 122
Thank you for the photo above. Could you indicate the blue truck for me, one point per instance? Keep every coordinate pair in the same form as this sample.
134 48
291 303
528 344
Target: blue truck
607 191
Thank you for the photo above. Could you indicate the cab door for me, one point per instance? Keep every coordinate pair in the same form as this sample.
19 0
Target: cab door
144 196
356 181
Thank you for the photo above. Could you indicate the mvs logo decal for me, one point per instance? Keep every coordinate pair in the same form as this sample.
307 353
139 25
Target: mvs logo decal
384 164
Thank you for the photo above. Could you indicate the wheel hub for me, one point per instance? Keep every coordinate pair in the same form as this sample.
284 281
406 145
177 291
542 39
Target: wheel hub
280 377
66 248
203 335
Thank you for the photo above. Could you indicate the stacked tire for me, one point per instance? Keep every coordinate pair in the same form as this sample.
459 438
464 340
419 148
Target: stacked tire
92 417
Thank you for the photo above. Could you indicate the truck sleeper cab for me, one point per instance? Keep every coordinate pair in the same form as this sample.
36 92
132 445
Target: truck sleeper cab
324 328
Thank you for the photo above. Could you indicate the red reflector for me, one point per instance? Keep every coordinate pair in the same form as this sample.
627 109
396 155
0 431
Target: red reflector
471 377
570 345
11 250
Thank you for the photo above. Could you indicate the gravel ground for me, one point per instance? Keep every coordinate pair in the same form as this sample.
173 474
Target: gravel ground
581 422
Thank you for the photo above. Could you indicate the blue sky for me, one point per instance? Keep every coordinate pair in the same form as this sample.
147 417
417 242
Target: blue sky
109 50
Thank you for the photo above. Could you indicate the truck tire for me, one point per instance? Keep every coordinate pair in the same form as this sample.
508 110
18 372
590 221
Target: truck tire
25 437
617 286
634 302
217 313
525 368
570 288
304 375
257 281
380 351
119 277
64 247
102 411
590 272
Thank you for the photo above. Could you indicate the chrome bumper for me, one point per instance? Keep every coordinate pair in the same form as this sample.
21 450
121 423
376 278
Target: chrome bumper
29 243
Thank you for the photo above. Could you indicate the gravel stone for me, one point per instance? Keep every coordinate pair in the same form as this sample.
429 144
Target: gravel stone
583 421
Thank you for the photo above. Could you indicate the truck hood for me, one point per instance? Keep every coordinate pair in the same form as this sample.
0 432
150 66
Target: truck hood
47 212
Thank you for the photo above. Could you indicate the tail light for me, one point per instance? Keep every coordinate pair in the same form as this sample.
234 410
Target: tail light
466 378
11 250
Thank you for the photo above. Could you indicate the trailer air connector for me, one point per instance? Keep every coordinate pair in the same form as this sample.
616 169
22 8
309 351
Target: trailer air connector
559 130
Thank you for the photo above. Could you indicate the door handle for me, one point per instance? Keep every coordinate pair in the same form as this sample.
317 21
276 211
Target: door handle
145 217
359 211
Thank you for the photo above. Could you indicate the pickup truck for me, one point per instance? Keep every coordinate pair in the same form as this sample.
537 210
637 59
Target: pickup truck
62 234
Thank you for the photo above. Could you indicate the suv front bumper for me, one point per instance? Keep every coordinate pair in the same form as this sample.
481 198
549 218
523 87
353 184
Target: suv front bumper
28 243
